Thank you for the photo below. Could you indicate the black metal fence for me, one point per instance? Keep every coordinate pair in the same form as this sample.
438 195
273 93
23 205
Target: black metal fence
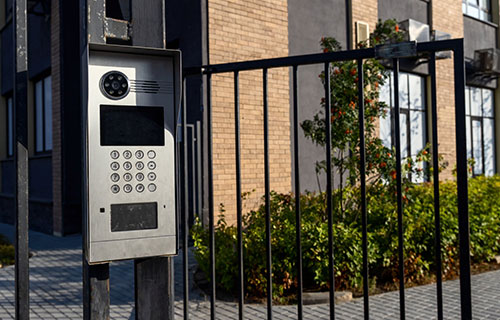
295 63
193 176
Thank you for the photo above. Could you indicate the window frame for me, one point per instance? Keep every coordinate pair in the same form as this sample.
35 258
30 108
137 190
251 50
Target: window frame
10 127
471 118
407 112
42 79
482 11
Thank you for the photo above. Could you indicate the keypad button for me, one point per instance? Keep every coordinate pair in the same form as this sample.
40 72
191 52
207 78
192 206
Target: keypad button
139 176
151 176
139 154
152 187
139 187
127 154
139 165
127 166
115 166
114 154
151 165
127 188
127 177
151 154
115 177
115 188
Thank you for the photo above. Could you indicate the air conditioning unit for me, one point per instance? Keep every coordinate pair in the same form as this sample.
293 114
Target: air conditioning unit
415 30
487 61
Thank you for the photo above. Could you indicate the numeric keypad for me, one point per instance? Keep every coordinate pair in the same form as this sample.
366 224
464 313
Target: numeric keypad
125 171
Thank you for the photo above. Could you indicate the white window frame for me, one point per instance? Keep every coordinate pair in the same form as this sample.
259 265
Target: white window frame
43 115
476 115
479 9
405 88
9 103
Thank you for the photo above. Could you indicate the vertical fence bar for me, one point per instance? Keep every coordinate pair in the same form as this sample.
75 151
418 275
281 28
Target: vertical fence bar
241 292
20 75
267 197
328 123
198 170
211 219
298 224
462 188
185 203
193 174
397 133
435 165
362 175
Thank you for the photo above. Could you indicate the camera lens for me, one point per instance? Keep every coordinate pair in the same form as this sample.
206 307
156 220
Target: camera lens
114 85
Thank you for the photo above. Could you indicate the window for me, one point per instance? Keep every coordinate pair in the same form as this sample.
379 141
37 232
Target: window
43 115
412 105
480 9
480 128
10 127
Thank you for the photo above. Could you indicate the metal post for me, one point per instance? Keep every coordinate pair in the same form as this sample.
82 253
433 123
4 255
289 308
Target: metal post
362 177
95 291
95 277
21 157
153 276
399 189
462 187
154 289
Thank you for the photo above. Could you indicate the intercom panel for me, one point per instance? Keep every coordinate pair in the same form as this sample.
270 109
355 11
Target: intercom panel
130 117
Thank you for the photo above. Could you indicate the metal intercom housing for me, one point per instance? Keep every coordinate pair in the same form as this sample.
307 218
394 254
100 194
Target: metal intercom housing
131 98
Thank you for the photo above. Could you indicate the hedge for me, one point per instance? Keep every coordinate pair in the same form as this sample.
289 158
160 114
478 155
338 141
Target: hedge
419 241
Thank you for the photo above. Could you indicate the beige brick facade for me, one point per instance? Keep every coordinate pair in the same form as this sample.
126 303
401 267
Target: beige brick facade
364 11
447 17
247 30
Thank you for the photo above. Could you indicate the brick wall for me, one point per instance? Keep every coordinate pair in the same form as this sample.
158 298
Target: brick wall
246 30
56 119
364 11
447 17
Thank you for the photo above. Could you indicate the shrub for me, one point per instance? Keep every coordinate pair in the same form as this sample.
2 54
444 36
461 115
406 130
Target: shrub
419 233
6 252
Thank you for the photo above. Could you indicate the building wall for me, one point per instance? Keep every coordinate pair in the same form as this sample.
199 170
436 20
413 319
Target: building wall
246 30
364 11
40 169
308 21
447 17
403 10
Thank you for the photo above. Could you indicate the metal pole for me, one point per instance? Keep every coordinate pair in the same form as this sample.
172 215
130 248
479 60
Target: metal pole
399 190
329 191
362 177
462 188
185 204
267 187
239 205
21 158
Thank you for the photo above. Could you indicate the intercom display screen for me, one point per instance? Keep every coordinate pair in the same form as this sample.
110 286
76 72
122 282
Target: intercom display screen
134 216
132 126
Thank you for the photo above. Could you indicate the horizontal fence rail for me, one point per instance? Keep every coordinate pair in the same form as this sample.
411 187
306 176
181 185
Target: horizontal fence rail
325 59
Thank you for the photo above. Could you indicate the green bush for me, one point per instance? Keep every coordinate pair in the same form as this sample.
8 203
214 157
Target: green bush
6 252
419 233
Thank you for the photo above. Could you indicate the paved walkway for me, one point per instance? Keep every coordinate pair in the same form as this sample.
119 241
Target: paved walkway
55 291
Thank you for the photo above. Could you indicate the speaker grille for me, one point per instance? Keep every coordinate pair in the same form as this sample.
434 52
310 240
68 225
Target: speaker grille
151 86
